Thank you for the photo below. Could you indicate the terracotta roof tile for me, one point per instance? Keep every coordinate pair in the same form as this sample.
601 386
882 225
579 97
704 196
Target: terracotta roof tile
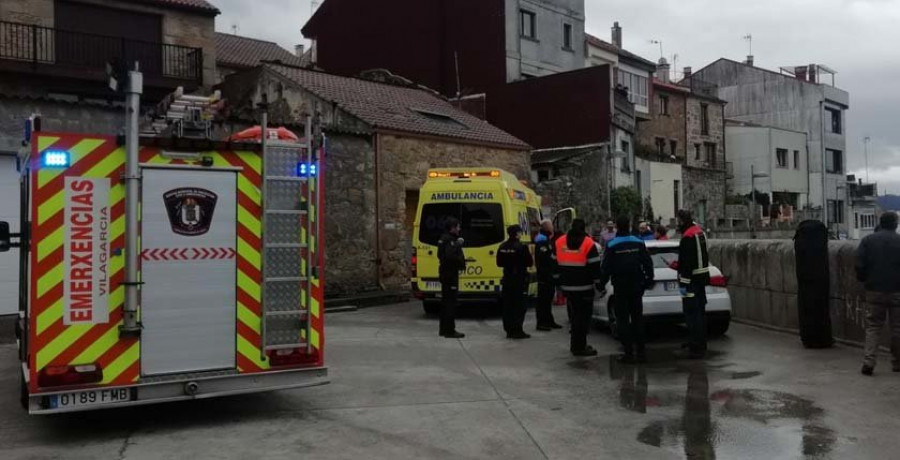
197 5
244 52
396 108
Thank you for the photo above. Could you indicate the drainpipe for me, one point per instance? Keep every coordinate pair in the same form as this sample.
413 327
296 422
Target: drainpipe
378 281
824 156
131 327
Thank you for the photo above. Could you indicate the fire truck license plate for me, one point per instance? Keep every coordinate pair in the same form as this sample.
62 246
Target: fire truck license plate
89 398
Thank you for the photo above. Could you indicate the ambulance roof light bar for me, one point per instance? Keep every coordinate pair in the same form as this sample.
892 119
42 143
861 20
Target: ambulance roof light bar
495 174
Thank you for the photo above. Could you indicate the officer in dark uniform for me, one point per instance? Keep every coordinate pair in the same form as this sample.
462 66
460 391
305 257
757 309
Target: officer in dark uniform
513 257
543 258
693 277
627 261
452 262
577 264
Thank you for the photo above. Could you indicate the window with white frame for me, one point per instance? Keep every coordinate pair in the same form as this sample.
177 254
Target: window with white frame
637 85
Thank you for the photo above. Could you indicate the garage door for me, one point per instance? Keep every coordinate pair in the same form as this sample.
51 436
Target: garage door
9 212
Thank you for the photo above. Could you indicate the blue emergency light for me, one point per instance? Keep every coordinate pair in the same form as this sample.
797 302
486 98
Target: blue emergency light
304 169
56 159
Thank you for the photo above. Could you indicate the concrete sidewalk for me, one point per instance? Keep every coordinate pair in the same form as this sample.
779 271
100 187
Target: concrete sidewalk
399 391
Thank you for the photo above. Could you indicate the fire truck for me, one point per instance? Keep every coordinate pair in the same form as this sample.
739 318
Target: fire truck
167 267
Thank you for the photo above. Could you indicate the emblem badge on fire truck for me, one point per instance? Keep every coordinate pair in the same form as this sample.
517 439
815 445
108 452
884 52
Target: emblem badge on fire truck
190 210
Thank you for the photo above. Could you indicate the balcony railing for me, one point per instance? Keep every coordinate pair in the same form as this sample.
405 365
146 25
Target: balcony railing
42 46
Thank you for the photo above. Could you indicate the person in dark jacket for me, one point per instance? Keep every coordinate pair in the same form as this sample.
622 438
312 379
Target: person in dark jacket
543 258
693 277
878 267
577 273
627 262
515 260
452 261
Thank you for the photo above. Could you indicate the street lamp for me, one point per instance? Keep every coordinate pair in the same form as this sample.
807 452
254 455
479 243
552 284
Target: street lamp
753 177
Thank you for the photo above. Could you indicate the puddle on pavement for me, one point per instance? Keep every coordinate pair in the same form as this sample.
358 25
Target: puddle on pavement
702 423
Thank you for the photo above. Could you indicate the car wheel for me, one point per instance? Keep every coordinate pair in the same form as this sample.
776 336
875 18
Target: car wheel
718 327
431 308
611 322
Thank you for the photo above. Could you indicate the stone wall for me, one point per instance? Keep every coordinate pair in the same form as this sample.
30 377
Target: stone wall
704 185
403 164
579 184
670 127
763 284
60 115
696 137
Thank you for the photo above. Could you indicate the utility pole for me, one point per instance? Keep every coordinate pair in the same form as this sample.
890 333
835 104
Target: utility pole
866 141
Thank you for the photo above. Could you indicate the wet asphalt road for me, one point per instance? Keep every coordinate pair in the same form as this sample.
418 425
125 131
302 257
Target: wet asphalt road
398 391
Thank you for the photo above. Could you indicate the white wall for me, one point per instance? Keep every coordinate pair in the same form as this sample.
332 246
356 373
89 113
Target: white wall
757 146
623 178
545 55
9 212
662 190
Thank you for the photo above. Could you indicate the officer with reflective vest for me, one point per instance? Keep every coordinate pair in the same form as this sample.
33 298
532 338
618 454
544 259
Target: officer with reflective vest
515 260
627 262
693 277
577 274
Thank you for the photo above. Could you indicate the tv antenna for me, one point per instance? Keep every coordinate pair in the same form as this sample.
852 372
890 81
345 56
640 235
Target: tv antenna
660 43
234 29
749 39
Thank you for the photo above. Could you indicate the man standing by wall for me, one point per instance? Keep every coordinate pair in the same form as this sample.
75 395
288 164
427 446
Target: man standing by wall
543 258
878 266
452 261
693 277
627 261
577 272
513 257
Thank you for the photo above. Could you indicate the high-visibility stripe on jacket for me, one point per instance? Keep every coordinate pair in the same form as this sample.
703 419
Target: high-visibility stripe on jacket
693 258
576 270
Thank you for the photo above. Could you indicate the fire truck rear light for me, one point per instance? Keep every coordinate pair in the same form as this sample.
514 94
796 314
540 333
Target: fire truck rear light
57 376
293 357
56 159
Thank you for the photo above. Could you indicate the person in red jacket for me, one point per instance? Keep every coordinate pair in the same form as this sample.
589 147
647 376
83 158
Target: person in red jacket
693 277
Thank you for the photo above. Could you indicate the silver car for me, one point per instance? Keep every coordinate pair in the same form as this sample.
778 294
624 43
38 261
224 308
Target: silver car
662 303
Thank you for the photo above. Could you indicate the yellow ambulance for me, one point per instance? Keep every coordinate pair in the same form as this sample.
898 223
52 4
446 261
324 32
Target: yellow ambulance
485 201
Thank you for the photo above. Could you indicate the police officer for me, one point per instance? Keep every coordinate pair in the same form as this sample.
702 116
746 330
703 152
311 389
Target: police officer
627 261
578 263
543 258
693 277
452 262
515 259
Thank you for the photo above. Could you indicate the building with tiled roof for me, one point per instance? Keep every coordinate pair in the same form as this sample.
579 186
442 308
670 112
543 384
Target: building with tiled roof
382 140
192 5
234 53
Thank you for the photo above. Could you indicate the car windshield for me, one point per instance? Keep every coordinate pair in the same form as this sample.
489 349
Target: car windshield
663 257
482 223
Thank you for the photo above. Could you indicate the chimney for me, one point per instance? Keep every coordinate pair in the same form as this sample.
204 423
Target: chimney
800 72
299 50
617 35
662 70
749 60
688 72
813 73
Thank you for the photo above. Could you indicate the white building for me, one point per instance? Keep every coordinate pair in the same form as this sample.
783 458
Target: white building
543 37
779 159
662 183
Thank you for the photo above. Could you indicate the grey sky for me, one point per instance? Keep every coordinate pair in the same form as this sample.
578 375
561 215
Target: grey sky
857 38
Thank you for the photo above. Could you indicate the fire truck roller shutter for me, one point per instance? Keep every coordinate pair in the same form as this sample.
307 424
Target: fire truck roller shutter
9 212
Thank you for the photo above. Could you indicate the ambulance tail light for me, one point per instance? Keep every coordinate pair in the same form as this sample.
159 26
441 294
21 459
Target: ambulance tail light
414 264
719 281
293 357
81 374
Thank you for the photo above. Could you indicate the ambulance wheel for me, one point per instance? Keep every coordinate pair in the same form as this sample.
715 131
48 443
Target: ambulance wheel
431 307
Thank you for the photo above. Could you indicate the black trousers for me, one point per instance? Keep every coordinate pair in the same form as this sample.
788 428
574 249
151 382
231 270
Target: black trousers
449 299
544 308
513 305
582 304
694 307
630 318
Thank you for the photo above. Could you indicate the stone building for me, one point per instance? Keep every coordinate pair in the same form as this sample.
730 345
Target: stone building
235 53
53 56
383 138
687 127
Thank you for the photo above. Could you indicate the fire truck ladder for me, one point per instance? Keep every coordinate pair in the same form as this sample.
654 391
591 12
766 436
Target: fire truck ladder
290 232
